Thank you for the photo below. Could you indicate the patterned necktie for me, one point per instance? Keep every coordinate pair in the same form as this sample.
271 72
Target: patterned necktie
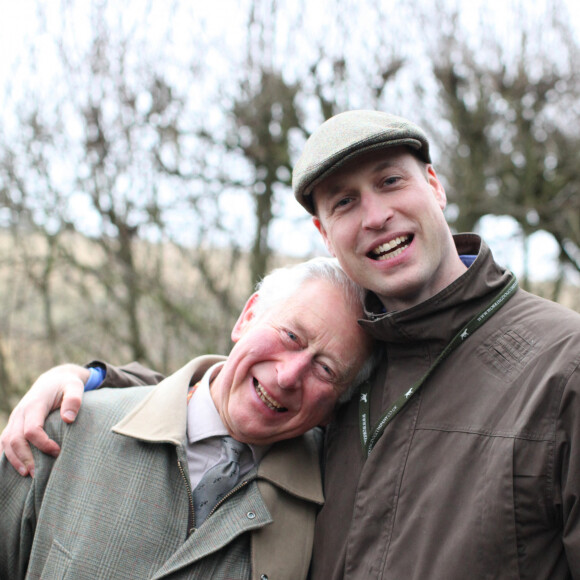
218 480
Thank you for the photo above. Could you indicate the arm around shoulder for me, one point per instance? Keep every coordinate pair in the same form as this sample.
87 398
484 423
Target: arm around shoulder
61 386
130 375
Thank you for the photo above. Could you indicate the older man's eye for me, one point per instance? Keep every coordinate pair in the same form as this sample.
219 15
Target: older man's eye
325 372
291 338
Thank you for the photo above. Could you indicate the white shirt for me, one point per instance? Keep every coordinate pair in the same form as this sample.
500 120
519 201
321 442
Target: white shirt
204 432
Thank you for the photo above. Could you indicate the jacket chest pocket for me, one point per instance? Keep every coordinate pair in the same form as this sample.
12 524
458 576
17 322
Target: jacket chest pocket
457 508
498 546
516 532
57 563
538 522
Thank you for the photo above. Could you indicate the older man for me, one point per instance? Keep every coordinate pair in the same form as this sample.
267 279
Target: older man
129 495
462 458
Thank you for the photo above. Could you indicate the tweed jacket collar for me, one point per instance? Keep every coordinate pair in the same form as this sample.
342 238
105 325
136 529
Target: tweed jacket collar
161 417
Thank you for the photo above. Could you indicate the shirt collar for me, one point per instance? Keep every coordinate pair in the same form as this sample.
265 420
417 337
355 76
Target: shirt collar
203 419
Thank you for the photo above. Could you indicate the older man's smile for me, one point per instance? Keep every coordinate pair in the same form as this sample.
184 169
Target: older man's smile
267 399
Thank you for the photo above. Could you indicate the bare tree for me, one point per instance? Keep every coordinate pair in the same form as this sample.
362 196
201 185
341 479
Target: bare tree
142 185
510 144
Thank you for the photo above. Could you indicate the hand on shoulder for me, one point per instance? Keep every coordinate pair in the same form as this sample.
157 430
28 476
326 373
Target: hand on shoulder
62 386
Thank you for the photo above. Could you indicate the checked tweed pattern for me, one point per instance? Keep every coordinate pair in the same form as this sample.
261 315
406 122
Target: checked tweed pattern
217 481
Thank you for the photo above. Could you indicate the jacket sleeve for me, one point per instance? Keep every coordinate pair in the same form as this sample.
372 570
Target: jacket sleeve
128 375
20 503
567 467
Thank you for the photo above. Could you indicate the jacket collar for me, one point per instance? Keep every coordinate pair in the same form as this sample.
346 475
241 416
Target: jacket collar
161 417
439 317
294 465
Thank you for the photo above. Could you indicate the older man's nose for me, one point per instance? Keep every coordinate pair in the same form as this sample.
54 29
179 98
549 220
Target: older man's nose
292 368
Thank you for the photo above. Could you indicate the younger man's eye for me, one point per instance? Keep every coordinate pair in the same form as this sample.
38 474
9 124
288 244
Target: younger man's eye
343 202
391 180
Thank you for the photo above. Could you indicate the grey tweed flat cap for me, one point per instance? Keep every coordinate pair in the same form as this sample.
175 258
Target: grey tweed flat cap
344 137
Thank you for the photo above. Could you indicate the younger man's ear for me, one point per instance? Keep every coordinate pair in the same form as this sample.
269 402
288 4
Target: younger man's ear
437 186
322 231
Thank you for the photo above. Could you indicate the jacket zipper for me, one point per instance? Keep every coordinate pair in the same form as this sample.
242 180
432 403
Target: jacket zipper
228 495
191 517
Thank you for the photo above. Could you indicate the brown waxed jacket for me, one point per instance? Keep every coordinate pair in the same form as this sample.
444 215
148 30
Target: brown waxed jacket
479 475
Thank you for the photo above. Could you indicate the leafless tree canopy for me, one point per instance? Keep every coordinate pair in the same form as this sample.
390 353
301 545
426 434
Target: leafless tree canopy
146 155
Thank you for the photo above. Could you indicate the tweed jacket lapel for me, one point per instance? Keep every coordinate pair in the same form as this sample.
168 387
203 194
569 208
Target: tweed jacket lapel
162 416
223 527
291 466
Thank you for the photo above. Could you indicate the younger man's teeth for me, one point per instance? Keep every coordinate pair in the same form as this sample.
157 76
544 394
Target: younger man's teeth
385 251
389 245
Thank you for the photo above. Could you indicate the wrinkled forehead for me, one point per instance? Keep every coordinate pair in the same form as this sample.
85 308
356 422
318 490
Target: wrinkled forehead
319 304
327 312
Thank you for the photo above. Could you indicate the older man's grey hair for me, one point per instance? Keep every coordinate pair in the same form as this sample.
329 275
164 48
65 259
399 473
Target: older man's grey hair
283 283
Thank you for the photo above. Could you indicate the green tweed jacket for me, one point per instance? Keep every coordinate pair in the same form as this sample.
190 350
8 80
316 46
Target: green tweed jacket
115 504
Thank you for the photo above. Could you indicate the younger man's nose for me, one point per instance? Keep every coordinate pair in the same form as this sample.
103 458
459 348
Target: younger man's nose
375 210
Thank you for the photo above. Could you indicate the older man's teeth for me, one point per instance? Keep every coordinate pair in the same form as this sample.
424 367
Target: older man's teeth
269 402
391 249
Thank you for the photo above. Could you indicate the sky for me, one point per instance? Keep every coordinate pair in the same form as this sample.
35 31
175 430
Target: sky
17 24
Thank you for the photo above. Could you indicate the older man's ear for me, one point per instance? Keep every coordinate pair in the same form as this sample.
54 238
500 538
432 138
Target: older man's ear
245 318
